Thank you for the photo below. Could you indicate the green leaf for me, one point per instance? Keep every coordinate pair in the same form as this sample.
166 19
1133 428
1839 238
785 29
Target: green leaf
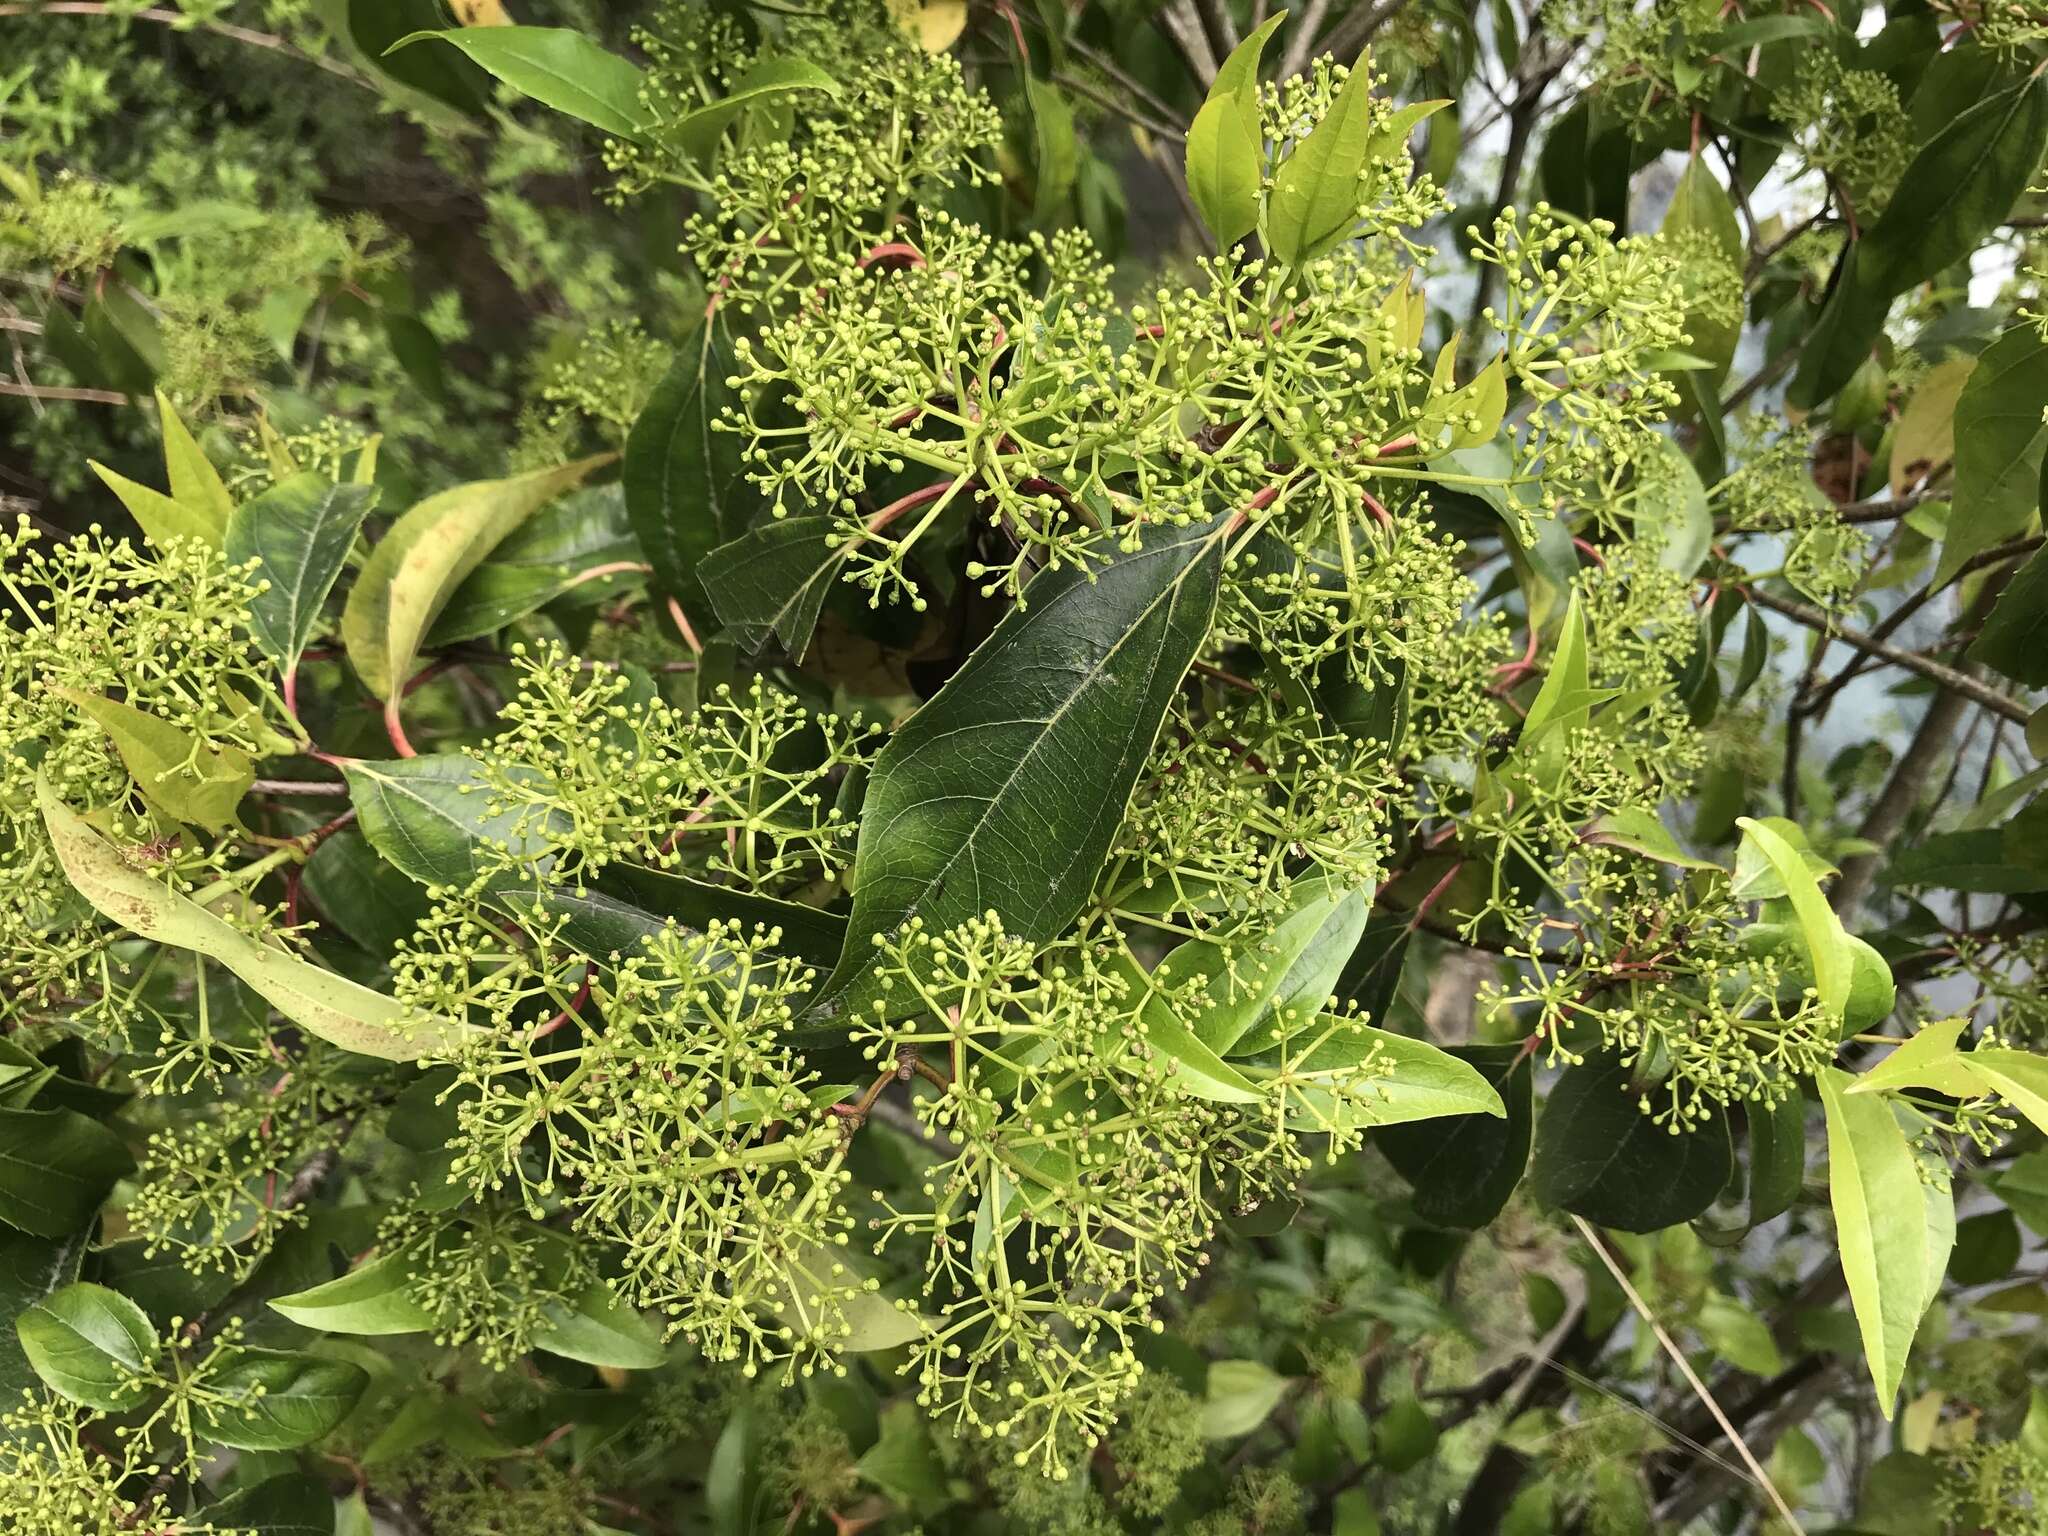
2000 439
556 67
2018 1077
903 1462
770 583
290 1504
1929 1059
1777 1157
429 816
1958 187
274 1400
425 556
600 1330
1314 202
320 1002
2014 640
1827 946
550 557
696 135
1463 1179
1599 1156
873 1321
1287 966
1226 151
375 904
1894 1248
1421 1082
371 1299
1004 791
56 1169
177 773
1568 683
1197 1068
31 1268
684 488
1701 205
91 1345
1979 859
299 533
1738 1336
817 937
1641 831
1058 158
1925 438
160 518
1241 1394
195 484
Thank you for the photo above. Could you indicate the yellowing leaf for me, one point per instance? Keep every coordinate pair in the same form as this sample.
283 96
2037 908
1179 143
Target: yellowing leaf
318 1001
1888 1223
2018 1077
934 26
419 563
1926 435
480 13
176 772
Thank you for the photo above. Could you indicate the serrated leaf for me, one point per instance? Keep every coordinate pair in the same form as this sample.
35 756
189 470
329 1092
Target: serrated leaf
275 1400
1004 791
684 489
299 533
770 584
320 1002
425 555
371 1300
91 1345
1314 202
175 772
1893 1255
557 67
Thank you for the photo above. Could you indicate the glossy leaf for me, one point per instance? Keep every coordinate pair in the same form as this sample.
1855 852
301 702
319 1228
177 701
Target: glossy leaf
31 1268
56 1169
557 67
299 533
1420 1081
91 1345
1777 1157
581 548
425 556
1058 157
1598 1155
1827 946
2018 1077
289 1504
1894 1248
1003 793
176 773
1999 446
273 1400
1226 149
1314 202
696 135
683 486
371 1299
1464 1178
320 1002
600 1330
428 816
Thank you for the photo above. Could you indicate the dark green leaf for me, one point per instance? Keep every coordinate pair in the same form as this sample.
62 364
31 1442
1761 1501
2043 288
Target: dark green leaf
30 1268
1977 860
427 815
290 1504
2014 639
299 532
683 486
1004 791
1059 150
368 899
1987 1248
816 936
56 1167
1464 1178
771 583
1777 1157
441 73
1599 1156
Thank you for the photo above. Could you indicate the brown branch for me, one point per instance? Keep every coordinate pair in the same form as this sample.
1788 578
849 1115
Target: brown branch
64 392
182 22
1934 671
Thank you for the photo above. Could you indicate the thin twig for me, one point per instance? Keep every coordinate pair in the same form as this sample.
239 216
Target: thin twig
65 392
184 22
1763 1478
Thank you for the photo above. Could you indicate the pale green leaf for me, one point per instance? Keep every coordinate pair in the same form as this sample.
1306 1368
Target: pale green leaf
1828 948
176 772
371 1299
